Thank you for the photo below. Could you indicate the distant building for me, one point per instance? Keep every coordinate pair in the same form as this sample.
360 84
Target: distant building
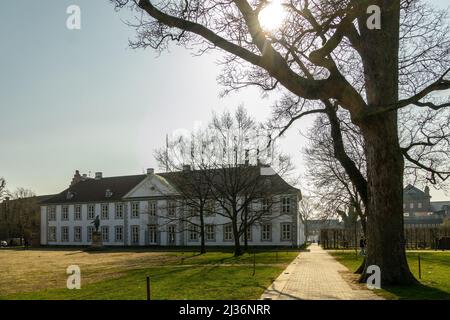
314 227
420 211
416 203
441 208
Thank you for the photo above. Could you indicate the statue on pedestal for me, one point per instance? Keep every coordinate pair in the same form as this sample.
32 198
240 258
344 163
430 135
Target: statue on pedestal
96 235
96 223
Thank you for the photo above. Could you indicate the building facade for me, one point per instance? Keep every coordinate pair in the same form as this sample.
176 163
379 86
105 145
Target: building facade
420 211
144 210
416 203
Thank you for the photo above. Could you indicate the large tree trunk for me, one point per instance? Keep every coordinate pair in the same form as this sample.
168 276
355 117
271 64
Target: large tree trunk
362 217
361 268
385 235
385 164
237 243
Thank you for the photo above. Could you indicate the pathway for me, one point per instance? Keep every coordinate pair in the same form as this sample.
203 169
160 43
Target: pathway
316 275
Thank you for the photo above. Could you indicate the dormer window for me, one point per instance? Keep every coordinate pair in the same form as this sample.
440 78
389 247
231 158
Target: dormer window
69 195
108 193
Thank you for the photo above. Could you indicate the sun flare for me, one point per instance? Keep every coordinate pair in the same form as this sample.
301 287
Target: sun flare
272 16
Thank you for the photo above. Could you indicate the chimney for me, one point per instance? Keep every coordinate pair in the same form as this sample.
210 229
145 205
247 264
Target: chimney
76 178
186 168
150 171
98 175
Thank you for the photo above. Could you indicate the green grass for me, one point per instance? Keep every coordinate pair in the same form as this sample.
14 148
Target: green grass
269 257
214 275
435 281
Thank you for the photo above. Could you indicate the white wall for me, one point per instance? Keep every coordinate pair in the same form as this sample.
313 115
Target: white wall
182 235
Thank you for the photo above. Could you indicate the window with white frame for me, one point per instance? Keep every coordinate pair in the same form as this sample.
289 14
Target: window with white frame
171 208
51 233
118 233
65 213
193 233
152 208
419 205
77 234
266 232
119 211
227 232
64 234
171 234
266 205
105 211
286 205
90 231
135 210
210 232
105 233
135 234
286 231
51 213
411 205
77 212
91 212
108 193
193 211
152 234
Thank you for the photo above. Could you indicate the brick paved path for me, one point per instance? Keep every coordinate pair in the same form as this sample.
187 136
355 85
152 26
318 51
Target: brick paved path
316 275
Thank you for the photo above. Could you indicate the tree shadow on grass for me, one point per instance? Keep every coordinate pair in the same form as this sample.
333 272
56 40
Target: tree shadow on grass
416 292
272 291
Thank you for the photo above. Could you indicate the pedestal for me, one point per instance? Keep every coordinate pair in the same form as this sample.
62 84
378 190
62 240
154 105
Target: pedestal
97 242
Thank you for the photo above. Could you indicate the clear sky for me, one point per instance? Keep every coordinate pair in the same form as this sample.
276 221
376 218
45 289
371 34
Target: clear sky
84 100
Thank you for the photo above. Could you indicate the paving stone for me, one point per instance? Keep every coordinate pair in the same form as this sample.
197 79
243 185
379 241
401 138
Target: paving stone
315 275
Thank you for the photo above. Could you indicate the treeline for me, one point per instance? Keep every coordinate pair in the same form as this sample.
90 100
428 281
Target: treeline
19 213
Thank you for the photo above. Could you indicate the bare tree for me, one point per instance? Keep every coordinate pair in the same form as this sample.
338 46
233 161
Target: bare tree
425 144
328 55
328 181
23 214
191 202
3 191
307 211
224 176
4 229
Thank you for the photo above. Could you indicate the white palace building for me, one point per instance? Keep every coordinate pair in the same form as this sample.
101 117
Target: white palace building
139 210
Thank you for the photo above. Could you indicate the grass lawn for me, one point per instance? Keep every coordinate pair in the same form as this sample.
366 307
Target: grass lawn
435 282
121 274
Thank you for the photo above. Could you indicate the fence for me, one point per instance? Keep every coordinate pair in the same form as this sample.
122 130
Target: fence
424 238
339 238
416 238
